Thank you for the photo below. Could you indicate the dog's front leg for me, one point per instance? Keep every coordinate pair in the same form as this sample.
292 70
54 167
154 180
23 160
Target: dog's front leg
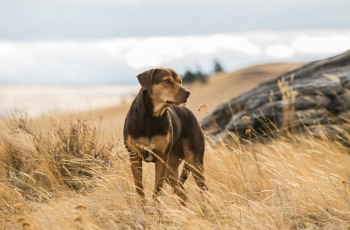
172 175
136 169
160 169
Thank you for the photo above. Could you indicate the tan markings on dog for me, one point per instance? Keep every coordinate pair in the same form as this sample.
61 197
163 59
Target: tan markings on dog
178 80
146 146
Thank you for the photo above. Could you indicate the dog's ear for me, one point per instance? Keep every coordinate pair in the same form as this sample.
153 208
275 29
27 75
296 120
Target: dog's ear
145 79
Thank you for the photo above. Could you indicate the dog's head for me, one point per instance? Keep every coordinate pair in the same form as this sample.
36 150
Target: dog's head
164 86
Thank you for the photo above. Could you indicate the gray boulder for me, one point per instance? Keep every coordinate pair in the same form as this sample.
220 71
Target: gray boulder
314 96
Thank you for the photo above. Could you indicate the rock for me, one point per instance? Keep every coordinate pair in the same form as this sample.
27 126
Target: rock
315 94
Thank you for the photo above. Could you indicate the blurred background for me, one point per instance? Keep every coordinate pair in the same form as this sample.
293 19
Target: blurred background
75 43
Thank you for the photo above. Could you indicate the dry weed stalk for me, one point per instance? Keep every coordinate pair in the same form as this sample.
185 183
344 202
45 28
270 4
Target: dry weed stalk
345 186
249 133
288 98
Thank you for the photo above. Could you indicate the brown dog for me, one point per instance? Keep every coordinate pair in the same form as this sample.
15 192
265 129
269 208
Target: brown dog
158 129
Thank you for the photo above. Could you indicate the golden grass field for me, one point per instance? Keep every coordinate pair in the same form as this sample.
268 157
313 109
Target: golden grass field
71 171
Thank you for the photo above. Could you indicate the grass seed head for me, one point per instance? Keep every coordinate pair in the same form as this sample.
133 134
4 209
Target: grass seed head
246 118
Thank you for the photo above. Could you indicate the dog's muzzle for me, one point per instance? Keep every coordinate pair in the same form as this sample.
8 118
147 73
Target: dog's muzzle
181 99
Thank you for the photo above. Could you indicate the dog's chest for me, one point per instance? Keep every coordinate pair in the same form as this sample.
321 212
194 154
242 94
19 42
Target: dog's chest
147 147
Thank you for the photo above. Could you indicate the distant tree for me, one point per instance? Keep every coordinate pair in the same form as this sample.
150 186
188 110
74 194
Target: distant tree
190 77
218 67
201 76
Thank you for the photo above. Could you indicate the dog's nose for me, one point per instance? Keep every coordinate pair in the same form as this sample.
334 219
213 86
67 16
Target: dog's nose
187 93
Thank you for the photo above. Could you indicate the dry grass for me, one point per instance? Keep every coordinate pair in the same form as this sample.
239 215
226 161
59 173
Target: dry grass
67 175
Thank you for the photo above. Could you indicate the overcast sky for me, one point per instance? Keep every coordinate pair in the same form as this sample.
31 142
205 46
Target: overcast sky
96 19
110 41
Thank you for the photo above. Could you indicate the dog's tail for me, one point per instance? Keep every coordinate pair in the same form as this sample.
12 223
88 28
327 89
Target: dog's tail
185 172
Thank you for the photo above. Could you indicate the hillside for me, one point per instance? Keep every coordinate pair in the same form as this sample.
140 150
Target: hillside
219 89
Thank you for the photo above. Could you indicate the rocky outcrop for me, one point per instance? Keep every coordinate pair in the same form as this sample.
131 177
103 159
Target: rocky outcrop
312 96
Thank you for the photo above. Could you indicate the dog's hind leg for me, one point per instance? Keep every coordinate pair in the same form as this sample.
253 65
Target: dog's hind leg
194 164
196 167
197 170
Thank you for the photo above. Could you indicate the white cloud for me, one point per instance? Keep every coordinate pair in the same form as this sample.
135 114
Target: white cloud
155 51
328 43
114 60
279 51
152 51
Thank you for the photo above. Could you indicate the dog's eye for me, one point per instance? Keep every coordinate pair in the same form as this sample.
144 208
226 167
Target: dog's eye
166 81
